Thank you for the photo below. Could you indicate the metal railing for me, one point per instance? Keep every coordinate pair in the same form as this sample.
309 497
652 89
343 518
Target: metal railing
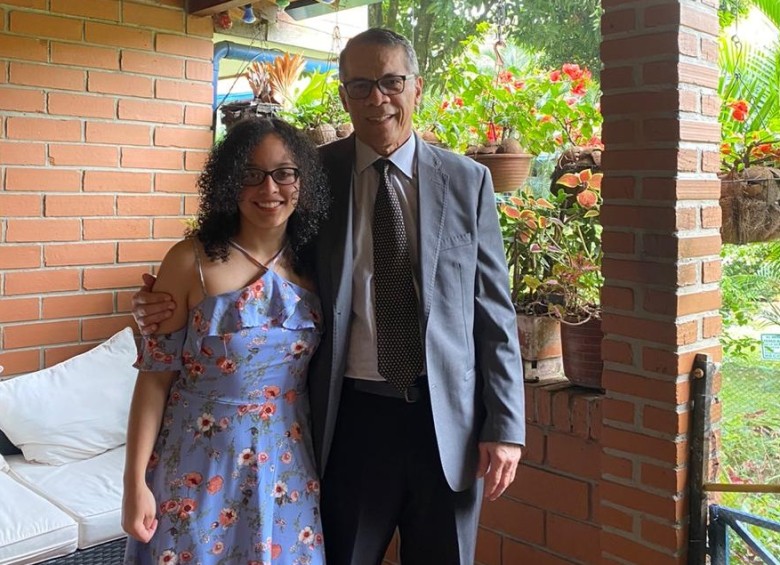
709 538
722 520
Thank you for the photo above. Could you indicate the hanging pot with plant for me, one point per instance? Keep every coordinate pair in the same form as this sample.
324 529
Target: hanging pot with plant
509 166
317 110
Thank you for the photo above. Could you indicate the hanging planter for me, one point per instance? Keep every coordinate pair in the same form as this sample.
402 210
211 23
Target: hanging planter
321 134
750 201
272 84
508 170
236 111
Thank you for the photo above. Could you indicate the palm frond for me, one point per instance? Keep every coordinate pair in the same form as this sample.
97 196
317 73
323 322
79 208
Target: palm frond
771 9
753 75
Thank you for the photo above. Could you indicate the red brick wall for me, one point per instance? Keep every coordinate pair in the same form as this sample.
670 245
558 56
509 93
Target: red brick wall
662 245
105 117
550 514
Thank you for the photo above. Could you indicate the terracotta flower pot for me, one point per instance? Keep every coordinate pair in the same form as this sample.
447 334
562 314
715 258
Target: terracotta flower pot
509 170
540 346
582 362
540 337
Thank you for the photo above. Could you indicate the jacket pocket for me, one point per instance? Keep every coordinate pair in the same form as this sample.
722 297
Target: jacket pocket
453 241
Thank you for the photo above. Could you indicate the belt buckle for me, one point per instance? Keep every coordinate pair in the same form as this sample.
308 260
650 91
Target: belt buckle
411 394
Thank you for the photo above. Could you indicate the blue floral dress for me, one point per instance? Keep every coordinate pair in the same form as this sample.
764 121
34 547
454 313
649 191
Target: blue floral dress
232 470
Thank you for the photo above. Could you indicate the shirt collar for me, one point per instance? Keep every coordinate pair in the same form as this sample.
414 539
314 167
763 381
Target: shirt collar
402 158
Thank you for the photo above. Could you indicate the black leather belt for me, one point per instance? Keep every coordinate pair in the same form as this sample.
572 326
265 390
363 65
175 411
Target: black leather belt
412 394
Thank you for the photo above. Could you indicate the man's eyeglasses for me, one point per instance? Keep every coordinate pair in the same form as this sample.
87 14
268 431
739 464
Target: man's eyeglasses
282 176
361 88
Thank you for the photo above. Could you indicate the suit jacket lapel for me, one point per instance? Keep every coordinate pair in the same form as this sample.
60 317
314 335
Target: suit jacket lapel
433 189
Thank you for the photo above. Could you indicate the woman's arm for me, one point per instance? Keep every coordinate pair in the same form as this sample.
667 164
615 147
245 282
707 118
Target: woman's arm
138 505
177 273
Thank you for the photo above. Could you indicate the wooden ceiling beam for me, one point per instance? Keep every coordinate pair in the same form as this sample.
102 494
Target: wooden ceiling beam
208 7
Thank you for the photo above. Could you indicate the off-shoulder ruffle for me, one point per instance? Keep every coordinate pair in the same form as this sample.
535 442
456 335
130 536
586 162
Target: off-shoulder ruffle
269 301
161 352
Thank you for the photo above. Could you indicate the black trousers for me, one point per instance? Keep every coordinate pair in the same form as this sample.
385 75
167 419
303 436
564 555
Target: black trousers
384 472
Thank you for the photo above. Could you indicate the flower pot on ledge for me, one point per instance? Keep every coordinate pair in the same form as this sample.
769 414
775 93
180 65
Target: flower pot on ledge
582 363
509 170
540 346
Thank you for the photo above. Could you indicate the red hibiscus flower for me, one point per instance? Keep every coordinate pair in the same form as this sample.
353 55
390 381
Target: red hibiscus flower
739 110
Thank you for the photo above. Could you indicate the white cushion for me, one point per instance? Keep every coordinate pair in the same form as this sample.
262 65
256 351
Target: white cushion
89 491
75 409
3 464
31 528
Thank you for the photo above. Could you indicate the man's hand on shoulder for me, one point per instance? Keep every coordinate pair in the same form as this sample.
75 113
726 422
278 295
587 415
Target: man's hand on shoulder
150 308
498 464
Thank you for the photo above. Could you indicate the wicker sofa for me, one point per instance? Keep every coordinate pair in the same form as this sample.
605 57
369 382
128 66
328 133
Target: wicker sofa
61 458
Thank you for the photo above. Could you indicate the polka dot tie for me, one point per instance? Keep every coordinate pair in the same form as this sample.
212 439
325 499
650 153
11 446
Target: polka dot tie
399 349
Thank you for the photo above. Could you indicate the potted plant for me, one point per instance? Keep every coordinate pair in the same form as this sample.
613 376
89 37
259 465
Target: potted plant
532 228
482 114
553 247
512 111
271 85
750 176
318 111
576 279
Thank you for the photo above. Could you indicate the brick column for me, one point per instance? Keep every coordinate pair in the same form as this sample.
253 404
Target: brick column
662 245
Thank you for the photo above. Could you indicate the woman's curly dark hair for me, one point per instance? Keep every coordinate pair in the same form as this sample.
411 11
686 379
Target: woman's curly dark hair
220 189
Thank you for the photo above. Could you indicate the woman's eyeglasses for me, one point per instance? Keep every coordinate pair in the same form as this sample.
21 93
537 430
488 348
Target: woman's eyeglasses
282 176
361 88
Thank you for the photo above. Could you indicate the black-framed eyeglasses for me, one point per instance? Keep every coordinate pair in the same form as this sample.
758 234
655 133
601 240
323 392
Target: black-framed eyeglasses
361 88
282 176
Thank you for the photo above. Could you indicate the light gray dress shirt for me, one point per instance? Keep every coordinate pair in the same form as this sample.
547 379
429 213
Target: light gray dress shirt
361 355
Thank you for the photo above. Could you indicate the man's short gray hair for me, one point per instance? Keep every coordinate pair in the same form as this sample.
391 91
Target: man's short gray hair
385 38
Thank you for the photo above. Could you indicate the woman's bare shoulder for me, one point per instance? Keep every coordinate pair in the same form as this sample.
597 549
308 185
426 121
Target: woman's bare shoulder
178 266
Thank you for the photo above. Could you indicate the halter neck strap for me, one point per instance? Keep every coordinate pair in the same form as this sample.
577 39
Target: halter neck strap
249 256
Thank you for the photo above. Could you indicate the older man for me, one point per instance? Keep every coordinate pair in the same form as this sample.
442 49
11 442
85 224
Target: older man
416 389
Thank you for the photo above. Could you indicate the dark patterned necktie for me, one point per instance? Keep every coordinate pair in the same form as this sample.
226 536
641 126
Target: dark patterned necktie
399 349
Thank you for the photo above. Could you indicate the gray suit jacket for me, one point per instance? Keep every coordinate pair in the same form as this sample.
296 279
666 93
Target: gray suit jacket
468 324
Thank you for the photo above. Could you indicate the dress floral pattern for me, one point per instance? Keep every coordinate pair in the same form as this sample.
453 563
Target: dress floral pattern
232 469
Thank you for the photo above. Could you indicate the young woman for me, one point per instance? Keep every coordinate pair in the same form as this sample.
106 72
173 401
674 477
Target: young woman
219 459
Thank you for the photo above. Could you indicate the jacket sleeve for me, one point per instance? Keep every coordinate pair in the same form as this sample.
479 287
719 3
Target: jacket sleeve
496 342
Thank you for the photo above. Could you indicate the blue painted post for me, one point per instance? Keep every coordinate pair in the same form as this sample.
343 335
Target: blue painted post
718 537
